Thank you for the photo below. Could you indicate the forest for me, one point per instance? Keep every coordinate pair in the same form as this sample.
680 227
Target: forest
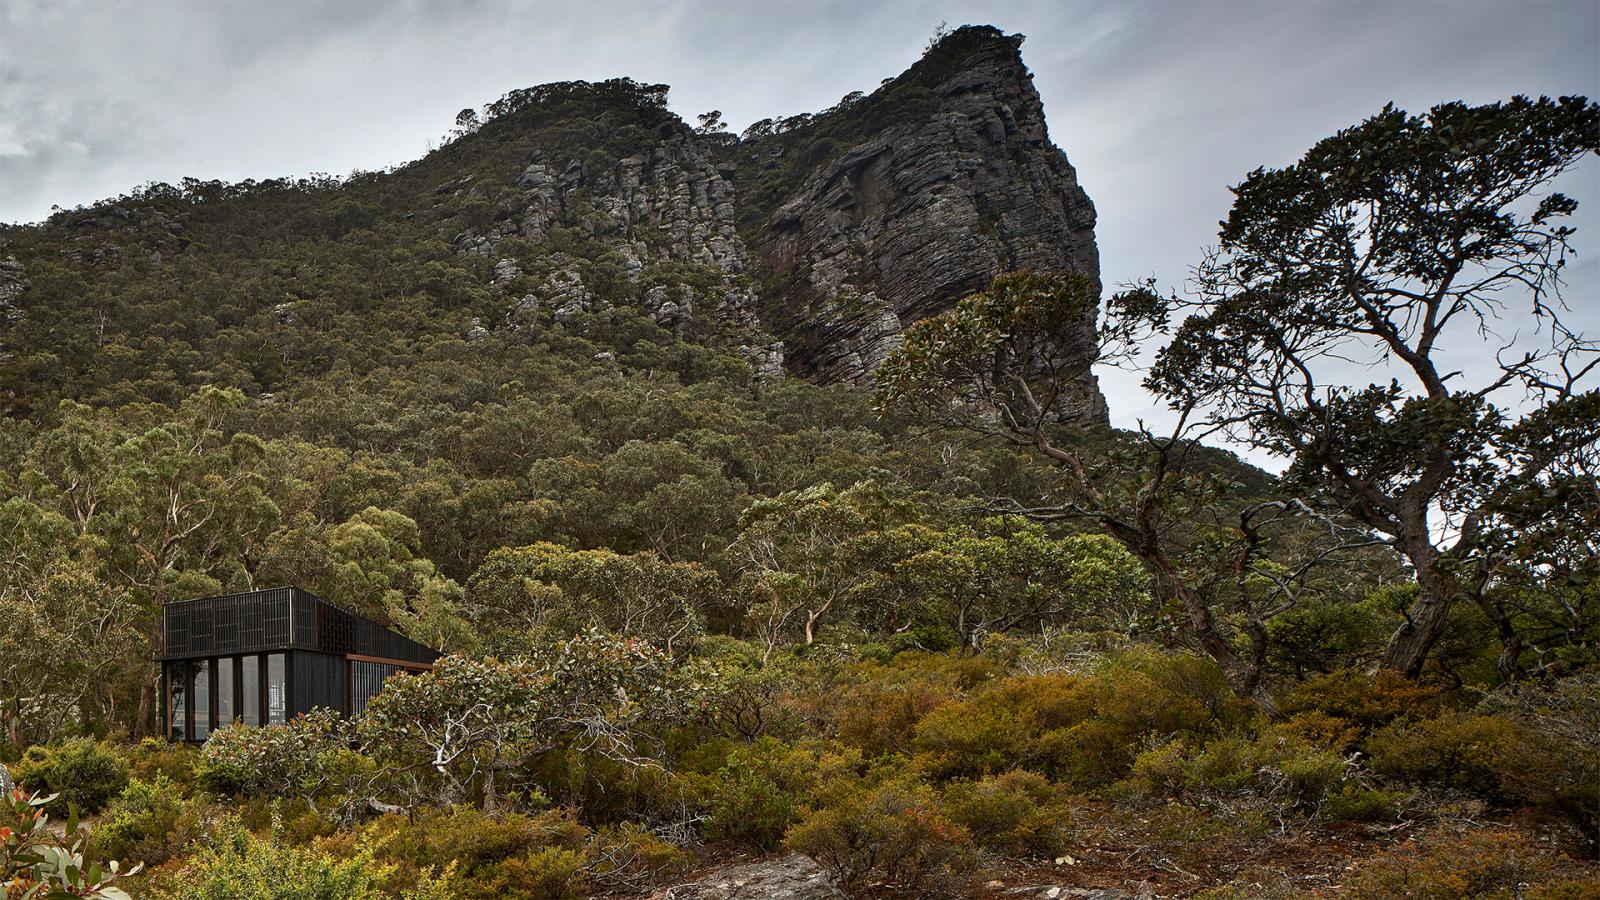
922 633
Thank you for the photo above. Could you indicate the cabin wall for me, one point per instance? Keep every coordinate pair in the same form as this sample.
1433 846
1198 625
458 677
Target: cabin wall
318 680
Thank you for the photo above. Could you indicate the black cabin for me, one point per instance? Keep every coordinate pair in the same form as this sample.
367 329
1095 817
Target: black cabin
263 657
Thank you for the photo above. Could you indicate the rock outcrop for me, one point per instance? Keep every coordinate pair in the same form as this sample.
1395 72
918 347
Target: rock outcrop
810 243
913 215
788 877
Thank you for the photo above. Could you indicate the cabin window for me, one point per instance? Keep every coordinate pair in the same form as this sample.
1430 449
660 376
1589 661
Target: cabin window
201 696
277 691
250 694
225 708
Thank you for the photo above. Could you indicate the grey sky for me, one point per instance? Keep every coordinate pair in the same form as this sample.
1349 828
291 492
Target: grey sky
1160 106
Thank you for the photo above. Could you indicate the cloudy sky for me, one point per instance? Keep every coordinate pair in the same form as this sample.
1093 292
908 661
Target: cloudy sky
1160 106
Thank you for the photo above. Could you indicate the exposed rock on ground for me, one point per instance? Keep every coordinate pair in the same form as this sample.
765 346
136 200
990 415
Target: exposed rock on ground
791 877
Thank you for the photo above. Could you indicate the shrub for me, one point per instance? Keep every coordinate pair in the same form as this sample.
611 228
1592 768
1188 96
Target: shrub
307 757
1016 813
1082 730
489 856
1364 701
629 855
153 757
1284 771
1552 760
148 822
893 831
82 773
35 861
1478 864
1455 750
238 864
1359 804
747 802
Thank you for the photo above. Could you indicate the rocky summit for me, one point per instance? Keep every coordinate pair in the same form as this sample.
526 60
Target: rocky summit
807 244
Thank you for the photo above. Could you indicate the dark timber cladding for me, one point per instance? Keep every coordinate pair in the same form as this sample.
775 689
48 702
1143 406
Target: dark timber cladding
263 657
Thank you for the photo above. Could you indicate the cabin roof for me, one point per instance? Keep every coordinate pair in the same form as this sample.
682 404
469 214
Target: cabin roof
275 620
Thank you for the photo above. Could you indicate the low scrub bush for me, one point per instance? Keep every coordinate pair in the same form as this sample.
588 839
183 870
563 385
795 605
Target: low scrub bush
1019 813
236 863
1284 771
1365 702
894 831
488 856
157 757
1456 750
82 773
149 822
629 856
1478 865
1082 730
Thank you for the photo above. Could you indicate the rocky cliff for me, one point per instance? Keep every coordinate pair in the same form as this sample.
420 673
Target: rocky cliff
823 236
948 178
591 211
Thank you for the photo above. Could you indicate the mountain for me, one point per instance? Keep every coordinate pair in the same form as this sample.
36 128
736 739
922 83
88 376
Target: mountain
807 244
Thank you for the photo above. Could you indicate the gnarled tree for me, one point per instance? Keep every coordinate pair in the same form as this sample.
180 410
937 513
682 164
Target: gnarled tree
1330 328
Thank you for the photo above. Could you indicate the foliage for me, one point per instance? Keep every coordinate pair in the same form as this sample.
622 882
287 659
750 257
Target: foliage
79 773
236 863
149 822
37 862
1481 864
306 757
1383 244
545 590
893 831
1018 813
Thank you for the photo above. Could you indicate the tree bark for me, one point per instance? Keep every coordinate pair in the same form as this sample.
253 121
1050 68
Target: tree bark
1409 645
147 696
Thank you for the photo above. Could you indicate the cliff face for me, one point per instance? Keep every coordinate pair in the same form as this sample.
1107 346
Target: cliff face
807 244
916 212
823 236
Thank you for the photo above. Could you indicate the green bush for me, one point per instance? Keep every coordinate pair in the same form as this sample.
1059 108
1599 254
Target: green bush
1017 813
82 773
148 822
1084 730
747 802
894 831
1552 760
1456 750
625 855
1284 771
155 757
488 856
239 864
1359 804
1364 701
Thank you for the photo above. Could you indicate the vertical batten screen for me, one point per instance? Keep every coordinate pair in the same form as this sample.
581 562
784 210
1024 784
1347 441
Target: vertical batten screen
366 680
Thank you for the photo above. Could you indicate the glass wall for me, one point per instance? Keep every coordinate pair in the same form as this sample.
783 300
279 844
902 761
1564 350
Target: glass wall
277 690
224 677
250 696
201 697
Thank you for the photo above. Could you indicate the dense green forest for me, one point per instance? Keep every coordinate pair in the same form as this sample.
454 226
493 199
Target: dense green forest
923 634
